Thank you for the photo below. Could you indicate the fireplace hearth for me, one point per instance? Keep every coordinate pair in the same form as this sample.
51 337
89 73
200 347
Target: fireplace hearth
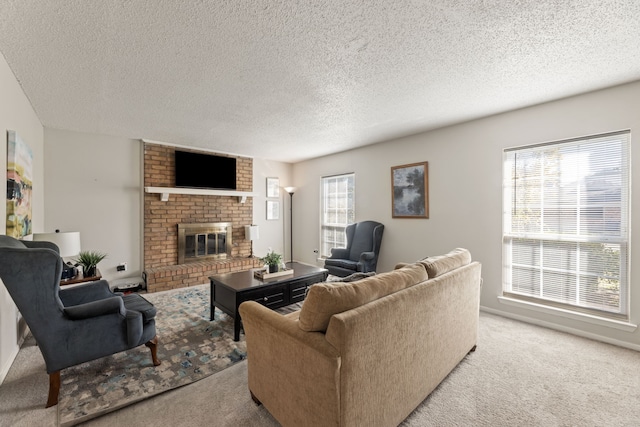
204 241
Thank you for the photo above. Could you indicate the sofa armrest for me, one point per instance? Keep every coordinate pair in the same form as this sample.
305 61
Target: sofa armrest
295 374
367 256
85 292
96 308
365 263
263 321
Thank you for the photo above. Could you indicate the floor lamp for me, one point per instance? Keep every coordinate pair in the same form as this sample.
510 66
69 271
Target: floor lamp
291 190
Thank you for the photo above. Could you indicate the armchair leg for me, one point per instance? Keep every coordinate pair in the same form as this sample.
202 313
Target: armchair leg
54 389
153 346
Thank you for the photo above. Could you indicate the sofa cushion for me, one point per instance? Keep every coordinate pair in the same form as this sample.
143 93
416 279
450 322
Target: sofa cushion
326 299
342 263
441 264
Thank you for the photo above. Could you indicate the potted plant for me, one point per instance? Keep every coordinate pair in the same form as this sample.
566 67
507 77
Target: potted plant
273 260
89 261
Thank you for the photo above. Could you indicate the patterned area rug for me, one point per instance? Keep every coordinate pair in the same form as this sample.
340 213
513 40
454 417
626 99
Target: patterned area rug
190 348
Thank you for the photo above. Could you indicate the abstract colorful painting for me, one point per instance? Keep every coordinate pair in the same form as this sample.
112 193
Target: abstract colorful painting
19 186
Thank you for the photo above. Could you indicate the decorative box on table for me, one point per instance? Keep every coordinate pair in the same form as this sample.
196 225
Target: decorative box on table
264 274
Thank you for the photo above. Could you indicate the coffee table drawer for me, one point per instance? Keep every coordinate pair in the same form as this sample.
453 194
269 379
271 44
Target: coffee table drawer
298 289
272 297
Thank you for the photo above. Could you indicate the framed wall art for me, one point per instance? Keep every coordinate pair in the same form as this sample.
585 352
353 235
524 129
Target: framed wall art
273 187
273 209
19 186
410 190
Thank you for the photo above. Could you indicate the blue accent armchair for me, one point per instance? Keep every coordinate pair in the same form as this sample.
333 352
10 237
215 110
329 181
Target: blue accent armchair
361 254
76 324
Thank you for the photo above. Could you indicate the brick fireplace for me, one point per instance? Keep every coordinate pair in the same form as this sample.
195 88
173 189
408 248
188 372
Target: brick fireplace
161 218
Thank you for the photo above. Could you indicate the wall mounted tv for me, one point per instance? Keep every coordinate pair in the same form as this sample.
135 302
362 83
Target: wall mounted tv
197 170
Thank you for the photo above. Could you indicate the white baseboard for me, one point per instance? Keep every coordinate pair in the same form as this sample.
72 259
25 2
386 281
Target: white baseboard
5 369
24 331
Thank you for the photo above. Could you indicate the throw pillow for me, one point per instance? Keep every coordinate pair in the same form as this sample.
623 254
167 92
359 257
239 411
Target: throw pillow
326 299
441 264
404 264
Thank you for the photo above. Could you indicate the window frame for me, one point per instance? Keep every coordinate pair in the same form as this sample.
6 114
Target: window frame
338 228
623 238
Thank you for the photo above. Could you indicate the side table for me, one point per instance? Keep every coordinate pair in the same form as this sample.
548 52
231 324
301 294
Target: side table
79 278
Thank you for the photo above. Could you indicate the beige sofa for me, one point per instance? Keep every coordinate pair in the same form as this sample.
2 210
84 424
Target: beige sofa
364 353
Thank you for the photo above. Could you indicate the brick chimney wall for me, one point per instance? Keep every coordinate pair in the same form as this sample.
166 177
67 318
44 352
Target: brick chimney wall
161 221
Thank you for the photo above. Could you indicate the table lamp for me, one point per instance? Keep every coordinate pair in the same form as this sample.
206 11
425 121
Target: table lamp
69 245
251 232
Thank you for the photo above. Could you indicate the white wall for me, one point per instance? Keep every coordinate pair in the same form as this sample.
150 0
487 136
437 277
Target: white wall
94 186
274 234
17 114
465 185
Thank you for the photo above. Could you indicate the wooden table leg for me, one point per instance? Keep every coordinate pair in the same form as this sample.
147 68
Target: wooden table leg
237 323
212 290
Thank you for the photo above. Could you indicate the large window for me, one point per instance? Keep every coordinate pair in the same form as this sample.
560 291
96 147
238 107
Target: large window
338 200
566 233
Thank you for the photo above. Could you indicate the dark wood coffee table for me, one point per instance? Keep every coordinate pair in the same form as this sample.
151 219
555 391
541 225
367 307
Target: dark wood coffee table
229 290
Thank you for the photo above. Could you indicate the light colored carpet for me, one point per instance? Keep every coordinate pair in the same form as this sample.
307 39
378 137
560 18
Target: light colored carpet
520 375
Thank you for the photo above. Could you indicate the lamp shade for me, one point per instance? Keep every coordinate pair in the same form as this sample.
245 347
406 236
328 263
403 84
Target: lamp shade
290 190
68 242
251 232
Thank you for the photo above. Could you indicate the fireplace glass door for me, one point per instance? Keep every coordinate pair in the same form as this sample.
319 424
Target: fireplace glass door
197 242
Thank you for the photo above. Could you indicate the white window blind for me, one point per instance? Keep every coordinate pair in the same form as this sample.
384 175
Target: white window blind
338 200
565 222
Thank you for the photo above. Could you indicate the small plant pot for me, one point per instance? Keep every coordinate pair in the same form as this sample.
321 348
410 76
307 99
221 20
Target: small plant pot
273 268
90 272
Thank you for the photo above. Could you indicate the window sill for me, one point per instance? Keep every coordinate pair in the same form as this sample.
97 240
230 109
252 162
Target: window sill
595 320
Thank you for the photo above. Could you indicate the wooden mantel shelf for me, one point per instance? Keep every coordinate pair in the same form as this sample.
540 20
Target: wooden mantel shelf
165 191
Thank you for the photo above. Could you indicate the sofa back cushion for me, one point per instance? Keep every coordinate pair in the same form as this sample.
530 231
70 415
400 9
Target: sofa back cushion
326 299
441 264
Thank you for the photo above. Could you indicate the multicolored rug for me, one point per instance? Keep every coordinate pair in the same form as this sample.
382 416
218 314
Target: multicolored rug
190 347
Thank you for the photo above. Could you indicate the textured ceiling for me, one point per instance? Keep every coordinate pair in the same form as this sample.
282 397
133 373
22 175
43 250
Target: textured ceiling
291 80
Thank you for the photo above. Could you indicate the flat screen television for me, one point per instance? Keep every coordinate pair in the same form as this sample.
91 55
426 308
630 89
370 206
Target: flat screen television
197 170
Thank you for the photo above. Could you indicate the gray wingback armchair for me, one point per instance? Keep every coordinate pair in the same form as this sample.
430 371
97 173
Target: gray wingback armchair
361 254
76 324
